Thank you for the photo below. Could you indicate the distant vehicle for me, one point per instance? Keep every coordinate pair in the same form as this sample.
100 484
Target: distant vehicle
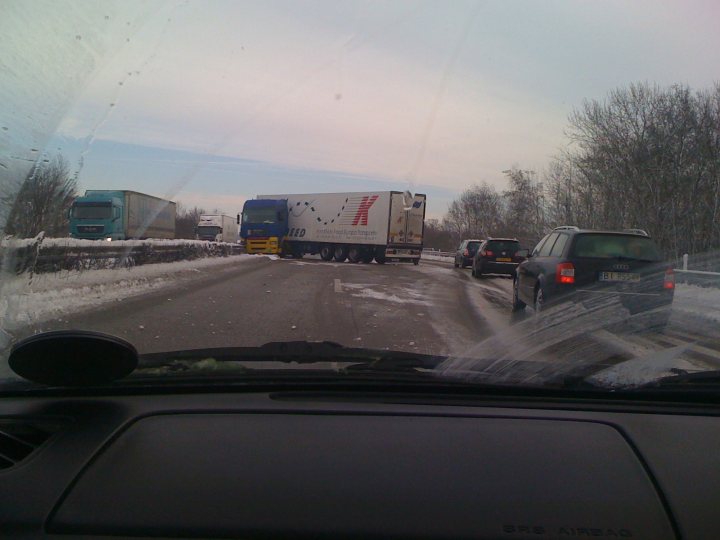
385 225
587 265
465 252
121 215
498 256
216 228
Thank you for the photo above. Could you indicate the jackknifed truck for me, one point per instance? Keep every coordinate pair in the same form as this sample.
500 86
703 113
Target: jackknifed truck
358 226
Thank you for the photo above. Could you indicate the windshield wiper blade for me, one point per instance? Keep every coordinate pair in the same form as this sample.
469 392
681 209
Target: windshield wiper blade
291 352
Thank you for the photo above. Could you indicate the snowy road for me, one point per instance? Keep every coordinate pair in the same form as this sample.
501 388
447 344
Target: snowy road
430 308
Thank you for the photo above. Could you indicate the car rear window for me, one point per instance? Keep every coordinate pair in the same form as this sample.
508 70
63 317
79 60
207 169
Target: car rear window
472 247
503 245
612 246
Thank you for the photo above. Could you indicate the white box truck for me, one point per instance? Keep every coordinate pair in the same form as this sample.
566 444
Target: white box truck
358 226
216 228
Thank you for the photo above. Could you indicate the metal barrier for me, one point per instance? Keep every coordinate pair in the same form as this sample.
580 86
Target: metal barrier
52 256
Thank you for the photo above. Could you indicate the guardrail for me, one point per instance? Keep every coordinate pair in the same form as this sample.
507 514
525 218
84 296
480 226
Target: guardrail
40 255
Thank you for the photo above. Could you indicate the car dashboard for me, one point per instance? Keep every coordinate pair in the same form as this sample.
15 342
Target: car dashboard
323 464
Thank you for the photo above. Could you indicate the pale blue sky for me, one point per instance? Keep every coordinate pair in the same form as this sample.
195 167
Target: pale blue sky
326 95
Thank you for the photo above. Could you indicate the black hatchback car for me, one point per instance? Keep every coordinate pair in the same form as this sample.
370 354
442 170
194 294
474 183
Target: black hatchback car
589 265
465 252
498 256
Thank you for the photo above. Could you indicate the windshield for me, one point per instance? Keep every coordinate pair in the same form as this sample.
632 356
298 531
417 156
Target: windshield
208 231
92 211
356 154
260 215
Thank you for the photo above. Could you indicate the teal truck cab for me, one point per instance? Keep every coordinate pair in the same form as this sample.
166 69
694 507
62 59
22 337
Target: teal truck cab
121 215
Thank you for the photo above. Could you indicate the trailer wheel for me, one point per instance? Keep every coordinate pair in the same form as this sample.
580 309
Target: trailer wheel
367 256
355 254
341 253
416 261
380 255
327 252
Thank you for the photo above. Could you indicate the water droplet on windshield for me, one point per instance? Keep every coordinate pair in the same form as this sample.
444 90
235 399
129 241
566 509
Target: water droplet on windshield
5 128
78 37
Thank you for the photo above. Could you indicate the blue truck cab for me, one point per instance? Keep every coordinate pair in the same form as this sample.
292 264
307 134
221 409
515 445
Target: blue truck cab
98 215
264 225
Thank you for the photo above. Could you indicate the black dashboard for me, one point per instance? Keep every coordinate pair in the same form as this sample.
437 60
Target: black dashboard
330 465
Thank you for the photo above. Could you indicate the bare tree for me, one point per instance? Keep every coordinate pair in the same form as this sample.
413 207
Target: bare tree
42 202
186 220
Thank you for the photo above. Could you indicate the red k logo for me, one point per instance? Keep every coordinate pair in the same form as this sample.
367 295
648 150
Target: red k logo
361 216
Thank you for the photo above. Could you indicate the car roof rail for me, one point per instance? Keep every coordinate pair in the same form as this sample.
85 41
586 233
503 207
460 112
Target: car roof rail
566 228
641 232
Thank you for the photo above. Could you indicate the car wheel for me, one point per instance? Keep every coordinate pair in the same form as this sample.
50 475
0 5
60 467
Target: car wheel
455 263
326 252
416 261
478 272
539 300
517 304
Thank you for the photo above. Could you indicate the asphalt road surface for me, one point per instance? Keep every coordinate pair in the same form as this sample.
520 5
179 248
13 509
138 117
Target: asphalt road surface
430 308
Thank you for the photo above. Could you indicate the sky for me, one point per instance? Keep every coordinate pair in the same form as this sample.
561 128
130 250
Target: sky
213 102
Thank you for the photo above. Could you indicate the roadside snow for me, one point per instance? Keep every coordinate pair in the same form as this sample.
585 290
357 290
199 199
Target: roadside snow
25 300
9 242
442 258
695 300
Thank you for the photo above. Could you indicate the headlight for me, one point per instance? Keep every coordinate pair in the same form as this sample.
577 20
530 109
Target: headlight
109 239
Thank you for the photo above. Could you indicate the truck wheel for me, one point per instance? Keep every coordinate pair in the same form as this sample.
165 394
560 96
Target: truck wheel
367 256
327 252
341 253
354 254
380 255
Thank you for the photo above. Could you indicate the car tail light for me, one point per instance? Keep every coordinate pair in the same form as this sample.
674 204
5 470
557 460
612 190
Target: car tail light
466 253
669 282
565 273
487 253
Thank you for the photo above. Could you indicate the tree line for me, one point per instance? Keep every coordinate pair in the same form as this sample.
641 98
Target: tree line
42 200
644 157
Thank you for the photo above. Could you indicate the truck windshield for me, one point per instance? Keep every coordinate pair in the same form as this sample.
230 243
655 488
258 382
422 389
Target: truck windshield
259 215
92 211
208 231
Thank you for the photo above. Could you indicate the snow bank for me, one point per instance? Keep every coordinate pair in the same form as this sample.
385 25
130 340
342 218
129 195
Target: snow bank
696 300
28 299
432 257
41 255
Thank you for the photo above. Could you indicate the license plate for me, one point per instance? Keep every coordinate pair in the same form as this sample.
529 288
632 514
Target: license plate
503 259
619 276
